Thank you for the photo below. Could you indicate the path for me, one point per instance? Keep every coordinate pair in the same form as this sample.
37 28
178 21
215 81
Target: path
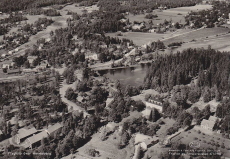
63 88
168 138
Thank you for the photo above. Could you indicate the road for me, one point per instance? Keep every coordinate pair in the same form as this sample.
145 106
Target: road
168 138
63 88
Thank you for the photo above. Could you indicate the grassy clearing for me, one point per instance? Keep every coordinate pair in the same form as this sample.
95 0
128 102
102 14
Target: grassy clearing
139 38
174 14
162 131
78 10
107 148
211 140
202 34
218 43
185 10
162 16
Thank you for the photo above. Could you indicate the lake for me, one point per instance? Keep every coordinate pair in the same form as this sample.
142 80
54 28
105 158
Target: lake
133 76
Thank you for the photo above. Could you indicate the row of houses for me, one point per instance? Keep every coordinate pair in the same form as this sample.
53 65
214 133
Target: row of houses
30 138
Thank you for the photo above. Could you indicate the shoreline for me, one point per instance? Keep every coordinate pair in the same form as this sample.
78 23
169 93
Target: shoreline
114 68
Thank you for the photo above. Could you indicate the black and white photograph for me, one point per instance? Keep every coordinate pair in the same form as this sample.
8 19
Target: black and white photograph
114 79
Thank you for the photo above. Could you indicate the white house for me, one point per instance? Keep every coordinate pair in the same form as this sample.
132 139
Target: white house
91 56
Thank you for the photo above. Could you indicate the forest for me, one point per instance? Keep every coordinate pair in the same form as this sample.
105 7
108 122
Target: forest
139 6
210 67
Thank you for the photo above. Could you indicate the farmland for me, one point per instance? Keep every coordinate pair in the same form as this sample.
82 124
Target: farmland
220 43
174 14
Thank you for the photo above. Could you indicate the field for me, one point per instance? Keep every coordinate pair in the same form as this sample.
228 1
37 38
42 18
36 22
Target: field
79 10
199 34
212 140
139 38
162 131
107 148
174 14
218 43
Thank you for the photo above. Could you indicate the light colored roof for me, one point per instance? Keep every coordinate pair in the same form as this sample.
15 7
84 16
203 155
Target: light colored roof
22 133
207 123
146 112
54 128
111 125
31 57
141 138
1 132
37 137
212 118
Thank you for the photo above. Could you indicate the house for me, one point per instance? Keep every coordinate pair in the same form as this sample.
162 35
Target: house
35 140
14 71
52 129
213 118
154 105
207 124
48 40
145 141
29 71
111 126
17 49
146 113
91 56
1 135
23 134
31 59
7 64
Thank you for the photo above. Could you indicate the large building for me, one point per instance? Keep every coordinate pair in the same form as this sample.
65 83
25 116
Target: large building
157 106
209 124
52 129
23 134
35 140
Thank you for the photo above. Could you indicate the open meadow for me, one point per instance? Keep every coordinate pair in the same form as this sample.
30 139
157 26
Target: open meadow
199 34
219 43
174 14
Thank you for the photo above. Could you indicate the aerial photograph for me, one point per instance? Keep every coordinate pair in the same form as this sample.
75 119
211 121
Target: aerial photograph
114 79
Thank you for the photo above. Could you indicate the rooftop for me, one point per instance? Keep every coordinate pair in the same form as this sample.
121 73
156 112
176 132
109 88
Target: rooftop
207 123
141 138
22 133
37 137
53 128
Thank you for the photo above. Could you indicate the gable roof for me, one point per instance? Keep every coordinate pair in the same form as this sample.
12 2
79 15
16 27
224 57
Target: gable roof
53 128
37 137
22 133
